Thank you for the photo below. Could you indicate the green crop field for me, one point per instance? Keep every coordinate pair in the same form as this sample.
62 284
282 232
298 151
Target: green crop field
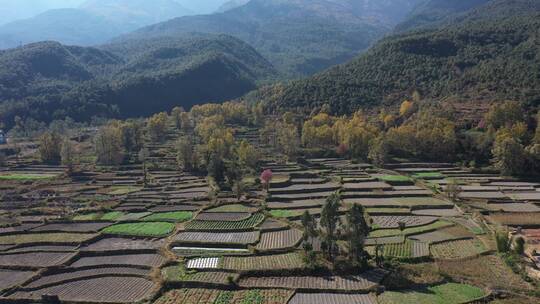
175 216
280 213
450 293
251 222
428 175
154 229
394 178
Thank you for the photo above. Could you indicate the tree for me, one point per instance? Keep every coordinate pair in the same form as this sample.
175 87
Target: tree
157 126
186 156
68 155
309 224
266 178
288 140
176 116
519 246
132 134
508 155
50 145
358 230
248 155
108 146
452 189
216 169
2 159
378 151
239 188
143 157
504 115
407 108
329 222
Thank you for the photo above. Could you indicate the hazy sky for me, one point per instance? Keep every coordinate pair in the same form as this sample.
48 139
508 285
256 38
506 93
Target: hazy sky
11 10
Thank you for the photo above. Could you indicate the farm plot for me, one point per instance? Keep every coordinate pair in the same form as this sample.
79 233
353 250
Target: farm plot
109 216
458 249
249 223
215 296
489 271
9 278
447 234
109 289
446 212
450 293
175 216
392 221
173 208
223 216
35 259
406 250
177 273
133 216
233 208
76 274
410 231
297 204
72 227
232 238
271 225
515 219
366 282
42 248
122 244
366 186
61 238
332 298
281 239
513 207
153 229
261 263
142 259
203 263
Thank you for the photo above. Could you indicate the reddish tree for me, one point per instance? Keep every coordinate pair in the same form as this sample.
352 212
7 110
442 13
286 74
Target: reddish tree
342 150
266 177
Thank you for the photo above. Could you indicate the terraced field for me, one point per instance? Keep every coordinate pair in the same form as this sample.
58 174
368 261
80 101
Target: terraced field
458 249
251 222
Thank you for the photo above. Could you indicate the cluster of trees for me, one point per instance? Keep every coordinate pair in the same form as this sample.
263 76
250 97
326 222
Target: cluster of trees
54 149
352 230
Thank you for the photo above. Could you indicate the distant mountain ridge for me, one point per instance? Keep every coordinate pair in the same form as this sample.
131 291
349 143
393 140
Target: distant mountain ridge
94 22
299 37
488 53
48 80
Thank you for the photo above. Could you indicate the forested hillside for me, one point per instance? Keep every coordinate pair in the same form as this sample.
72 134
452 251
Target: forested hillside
299 37
47 81
491 53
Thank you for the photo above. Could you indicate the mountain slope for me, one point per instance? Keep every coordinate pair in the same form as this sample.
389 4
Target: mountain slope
433 12
492 53
95 22
299 37
48 80
12 10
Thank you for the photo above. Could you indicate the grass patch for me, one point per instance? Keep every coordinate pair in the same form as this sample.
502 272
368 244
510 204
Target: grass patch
428 175
281 213
154 229
449 293
231 208
24 177
410 231
109 216
175 216
394 178
389 210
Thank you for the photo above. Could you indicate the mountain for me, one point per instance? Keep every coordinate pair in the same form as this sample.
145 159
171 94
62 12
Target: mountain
202 6
95 22
433 12
12 10
229 5
489 53
299 37
48 80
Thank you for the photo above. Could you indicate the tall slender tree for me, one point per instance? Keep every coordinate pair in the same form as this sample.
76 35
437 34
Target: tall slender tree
329 222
